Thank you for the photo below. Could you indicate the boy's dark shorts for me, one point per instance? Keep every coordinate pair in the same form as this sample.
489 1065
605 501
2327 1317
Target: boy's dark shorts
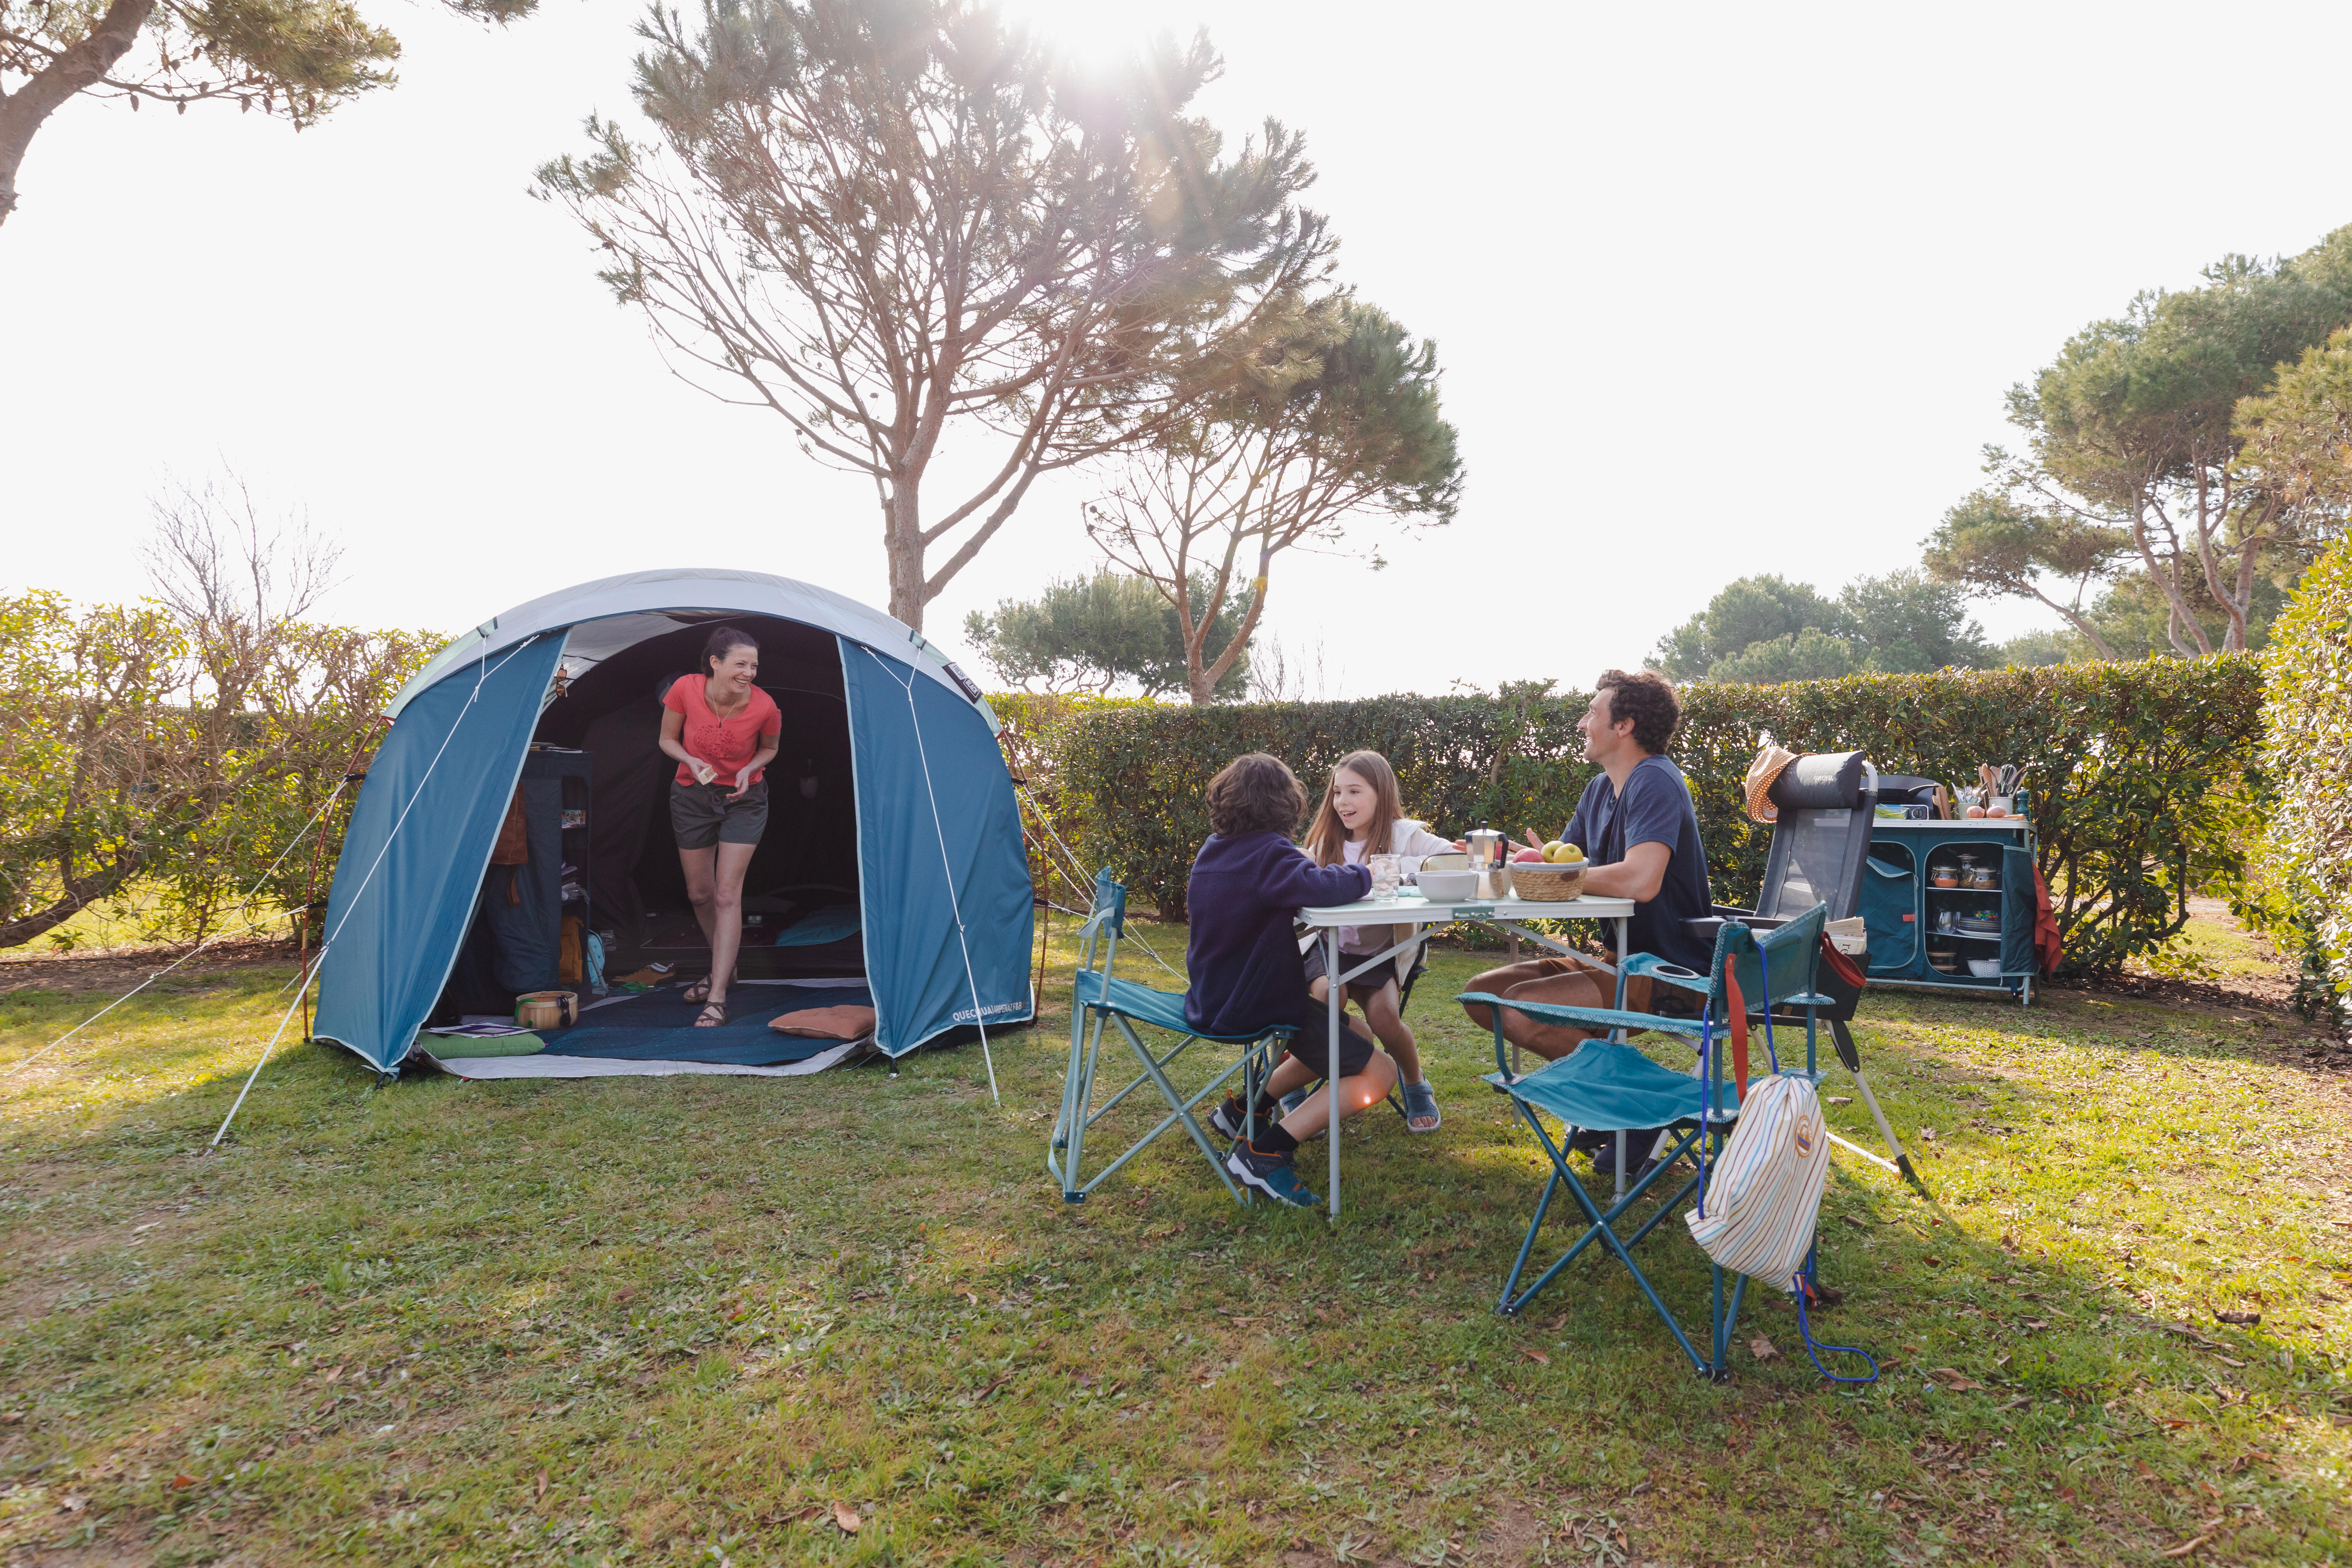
1312 1046
702 816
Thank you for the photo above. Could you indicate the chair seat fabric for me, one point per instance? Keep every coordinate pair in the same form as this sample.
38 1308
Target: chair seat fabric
1611 1087
1160 1009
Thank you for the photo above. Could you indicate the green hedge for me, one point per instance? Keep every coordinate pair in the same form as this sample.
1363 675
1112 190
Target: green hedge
2307 710
2138 769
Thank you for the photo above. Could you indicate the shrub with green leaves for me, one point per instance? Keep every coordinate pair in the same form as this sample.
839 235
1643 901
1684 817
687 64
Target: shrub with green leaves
2307 712
2136 772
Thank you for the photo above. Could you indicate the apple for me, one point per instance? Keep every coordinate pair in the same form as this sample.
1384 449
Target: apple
1567 855
1527 857
1552 847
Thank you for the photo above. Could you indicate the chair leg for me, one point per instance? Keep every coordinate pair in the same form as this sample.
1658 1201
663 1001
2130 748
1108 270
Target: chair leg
1178 1103
1597 1227
1082 1095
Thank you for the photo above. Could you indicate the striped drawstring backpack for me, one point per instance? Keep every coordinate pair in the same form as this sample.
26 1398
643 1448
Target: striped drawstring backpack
1760 1197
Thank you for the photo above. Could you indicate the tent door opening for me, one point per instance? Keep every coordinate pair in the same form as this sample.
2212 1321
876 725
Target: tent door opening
598 853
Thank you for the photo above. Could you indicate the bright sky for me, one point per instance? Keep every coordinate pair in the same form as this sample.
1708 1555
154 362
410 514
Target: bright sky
1717 290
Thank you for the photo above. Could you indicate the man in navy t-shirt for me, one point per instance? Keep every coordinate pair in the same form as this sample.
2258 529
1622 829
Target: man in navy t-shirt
1640 833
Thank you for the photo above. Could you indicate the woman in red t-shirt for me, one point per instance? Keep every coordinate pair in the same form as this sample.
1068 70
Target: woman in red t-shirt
723 732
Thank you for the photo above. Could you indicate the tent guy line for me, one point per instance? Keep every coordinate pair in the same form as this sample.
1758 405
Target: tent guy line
246 904
285 1018
1075 875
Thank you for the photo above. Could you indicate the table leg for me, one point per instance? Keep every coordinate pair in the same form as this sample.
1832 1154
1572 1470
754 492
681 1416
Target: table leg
1620 1035
1337 990
1621 924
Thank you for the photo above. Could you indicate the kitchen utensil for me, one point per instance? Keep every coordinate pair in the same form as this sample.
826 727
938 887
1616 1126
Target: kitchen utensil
1984 968
1446 860
1388 875
1448 885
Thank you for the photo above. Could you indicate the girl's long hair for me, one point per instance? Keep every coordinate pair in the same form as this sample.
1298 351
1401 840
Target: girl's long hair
1325 839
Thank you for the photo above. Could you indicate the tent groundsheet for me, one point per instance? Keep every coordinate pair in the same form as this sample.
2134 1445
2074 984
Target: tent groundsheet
552 1066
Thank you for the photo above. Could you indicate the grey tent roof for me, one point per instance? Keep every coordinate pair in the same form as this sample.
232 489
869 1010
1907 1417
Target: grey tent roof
612 613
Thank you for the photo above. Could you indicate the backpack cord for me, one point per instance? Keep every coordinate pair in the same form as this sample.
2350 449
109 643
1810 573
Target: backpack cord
1798 1284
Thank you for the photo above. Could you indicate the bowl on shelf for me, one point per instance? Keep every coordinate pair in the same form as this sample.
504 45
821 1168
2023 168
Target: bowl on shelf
1448 885
1984 968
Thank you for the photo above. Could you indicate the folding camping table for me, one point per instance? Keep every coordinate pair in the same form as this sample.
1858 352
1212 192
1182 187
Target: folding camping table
1410 909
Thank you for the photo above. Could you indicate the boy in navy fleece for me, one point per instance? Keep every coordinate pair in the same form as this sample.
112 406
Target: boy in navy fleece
1249 882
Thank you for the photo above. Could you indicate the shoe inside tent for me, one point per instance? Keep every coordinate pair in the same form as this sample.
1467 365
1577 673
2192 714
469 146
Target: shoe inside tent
891 863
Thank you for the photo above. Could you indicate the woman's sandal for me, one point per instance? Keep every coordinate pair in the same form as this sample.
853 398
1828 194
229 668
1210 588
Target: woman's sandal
698 990
1420 1100
713 1014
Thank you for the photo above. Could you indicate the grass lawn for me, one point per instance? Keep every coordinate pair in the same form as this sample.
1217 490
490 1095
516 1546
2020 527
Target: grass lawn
715 1321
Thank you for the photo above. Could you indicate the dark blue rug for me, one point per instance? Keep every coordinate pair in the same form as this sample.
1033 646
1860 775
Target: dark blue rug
658 1026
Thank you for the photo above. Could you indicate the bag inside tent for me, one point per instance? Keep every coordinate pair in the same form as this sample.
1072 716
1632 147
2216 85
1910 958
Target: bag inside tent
598 854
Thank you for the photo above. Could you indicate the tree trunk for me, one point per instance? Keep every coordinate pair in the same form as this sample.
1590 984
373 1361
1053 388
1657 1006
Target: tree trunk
25 110
1204 680
902 542
79 894
2167 576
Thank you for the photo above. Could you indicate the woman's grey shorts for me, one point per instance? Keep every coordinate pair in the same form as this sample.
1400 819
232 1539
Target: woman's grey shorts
702 816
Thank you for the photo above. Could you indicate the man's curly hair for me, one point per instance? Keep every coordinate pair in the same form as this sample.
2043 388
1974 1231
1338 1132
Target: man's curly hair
1646 697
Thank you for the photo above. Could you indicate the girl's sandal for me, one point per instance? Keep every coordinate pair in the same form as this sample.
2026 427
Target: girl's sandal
713 1014
700 989
1420 1104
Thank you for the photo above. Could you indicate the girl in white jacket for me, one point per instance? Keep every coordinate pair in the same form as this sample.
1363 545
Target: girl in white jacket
1360 815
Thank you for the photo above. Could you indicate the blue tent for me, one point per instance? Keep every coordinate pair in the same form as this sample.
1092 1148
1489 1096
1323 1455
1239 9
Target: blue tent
941 894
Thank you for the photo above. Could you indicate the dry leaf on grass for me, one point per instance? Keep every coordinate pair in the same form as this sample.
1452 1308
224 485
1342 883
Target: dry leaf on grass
2244 1319
1955 1381
1535 1355
846 1517
1762 1349
542 1483
184 1479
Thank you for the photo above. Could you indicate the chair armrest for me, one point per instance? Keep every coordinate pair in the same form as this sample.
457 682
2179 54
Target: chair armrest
1581 1018
1657 968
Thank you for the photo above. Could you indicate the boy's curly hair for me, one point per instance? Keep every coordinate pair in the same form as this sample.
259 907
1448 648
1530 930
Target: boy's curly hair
1646 697
1255 793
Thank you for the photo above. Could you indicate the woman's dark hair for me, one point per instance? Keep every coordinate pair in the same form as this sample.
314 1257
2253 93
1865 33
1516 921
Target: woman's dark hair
1646 697
1255 793
724 640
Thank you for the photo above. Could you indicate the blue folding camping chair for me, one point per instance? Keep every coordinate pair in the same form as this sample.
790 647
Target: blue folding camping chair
1099 1000
1606 1087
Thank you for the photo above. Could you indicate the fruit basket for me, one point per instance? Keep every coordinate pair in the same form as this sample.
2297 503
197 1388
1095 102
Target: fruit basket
1547 884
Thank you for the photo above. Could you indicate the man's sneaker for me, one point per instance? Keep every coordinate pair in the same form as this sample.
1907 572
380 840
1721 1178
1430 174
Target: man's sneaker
1272 1174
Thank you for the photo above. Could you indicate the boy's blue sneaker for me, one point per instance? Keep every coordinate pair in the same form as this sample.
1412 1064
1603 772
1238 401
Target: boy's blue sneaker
1273 1174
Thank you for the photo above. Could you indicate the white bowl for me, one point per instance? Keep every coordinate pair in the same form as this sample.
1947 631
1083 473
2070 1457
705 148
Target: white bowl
1984 968
1445 885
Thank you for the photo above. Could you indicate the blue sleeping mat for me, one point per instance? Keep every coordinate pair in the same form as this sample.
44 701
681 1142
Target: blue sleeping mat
658 1026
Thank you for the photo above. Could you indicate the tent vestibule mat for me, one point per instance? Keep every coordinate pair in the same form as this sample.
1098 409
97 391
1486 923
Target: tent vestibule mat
658 1025
553 1066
